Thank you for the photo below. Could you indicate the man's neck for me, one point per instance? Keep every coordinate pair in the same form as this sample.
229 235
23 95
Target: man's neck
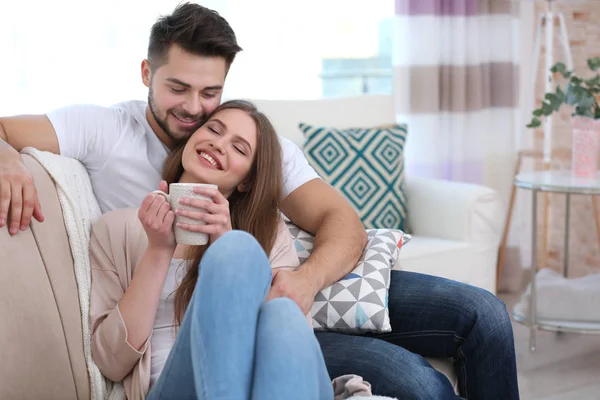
158 131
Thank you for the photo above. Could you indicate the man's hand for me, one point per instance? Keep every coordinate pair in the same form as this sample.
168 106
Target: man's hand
296 285
18 195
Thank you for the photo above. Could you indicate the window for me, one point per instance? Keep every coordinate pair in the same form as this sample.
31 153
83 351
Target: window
372 73
312 48
84 51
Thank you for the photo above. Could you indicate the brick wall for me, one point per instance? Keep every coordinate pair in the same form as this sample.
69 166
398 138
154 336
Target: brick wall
583 26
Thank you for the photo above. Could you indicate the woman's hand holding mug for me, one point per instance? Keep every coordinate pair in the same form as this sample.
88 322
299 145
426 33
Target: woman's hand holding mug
157 218
214 214
201 212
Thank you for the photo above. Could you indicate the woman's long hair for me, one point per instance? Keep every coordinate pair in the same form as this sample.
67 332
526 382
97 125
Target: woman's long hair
255 211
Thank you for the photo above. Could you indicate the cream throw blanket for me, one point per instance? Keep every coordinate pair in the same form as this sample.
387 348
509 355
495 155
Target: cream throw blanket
80 211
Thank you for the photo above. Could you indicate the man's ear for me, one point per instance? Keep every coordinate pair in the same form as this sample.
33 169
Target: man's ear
146 73
244 186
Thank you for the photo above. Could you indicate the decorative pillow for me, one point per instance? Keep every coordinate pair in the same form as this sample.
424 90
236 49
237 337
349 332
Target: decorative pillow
366 165
358 302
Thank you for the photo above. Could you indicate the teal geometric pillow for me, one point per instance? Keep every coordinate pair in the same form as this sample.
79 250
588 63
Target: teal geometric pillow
366 165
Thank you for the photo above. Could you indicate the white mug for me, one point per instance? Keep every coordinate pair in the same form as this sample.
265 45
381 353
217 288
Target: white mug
176 191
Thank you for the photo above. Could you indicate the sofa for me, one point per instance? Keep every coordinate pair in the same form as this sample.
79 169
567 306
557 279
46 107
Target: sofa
456 229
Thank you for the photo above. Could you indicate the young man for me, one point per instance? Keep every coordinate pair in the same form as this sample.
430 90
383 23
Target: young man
123 148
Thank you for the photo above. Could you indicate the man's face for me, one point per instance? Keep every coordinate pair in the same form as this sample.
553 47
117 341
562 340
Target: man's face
182 91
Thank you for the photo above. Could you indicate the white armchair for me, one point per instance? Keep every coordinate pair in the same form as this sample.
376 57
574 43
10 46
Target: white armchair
456 231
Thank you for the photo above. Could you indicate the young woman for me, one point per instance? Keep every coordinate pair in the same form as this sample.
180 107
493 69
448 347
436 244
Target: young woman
174 321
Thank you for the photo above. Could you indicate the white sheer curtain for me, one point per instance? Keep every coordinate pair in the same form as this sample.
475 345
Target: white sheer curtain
73 51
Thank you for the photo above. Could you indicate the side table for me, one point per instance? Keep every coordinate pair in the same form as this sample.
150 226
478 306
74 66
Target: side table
559 181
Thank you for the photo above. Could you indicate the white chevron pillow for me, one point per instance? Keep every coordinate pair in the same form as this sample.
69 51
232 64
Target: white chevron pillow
358 302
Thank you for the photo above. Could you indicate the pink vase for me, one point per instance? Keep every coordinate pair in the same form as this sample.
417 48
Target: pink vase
586 144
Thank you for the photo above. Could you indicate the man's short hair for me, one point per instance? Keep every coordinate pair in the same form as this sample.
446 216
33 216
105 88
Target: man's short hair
197 30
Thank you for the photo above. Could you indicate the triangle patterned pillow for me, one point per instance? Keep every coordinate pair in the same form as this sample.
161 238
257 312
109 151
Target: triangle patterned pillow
358 302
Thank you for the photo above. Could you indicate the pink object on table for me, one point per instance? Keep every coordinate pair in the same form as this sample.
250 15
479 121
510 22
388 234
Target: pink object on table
586 144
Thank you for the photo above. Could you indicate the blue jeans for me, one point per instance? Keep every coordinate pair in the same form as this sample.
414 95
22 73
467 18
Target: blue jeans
232 345
432 317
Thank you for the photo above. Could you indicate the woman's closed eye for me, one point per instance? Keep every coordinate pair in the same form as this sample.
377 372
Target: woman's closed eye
213 130
240 149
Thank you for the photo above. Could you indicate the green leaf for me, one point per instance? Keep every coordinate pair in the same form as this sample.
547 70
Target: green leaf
574 93
560 95
534 123
547 108
584 111
571 99
594 63
579 92
576 81
595 81
559 67
554 101
586 101
538 112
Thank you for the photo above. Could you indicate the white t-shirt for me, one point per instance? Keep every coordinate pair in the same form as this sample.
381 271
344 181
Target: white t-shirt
124 157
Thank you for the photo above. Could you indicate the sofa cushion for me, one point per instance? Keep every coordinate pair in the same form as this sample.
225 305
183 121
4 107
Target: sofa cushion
452 259
366 165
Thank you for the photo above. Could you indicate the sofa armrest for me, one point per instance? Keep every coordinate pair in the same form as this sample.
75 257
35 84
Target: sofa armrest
454 211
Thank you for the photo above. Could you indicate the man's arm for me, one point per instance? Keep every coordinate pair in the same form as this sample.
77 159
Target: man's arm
340 238
18 196
28 131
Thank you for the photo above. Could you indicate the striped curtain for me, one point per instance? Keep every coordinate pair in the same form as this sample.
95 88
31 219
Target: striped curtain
455 85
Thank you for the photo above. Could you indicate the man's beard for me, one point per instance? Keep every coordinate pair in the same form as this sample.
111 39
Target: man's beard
162 123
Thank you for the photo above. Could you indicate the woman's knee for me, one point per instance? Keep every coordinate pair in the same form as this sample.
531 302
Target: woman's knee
283 315
283 326
236 259
232 244
236 251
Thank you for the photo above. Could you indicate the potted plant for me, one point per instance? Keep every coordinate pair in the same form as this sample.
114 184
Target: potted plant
582 94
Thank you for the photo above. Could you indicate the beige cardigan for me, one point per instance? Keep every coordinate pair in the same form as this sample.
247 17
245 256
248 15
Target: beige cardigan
117 244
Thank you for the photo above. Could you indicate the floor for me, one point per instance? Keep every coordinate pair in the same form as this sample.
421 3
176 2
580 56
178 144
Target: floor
563 366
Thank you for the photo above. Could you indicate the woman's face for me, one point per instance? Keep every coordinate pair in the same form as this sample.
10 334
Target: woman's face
221 151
